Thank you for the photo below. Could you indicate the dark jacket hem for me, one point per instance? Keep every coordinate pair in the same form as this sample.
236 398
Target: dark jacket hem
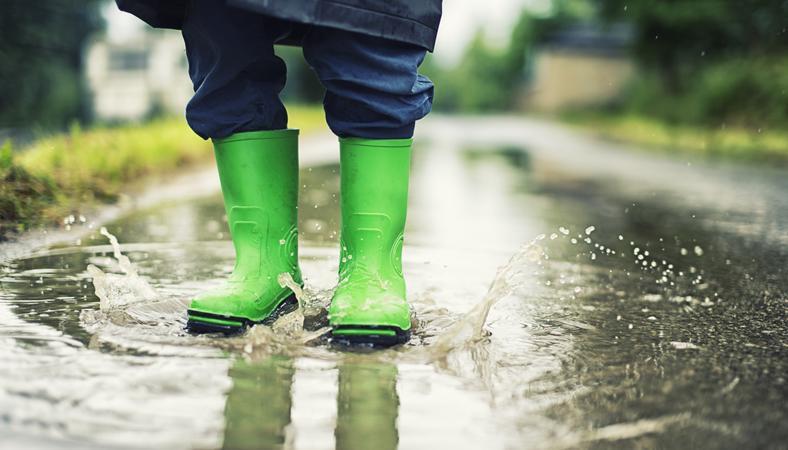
353 18
158 14
384 20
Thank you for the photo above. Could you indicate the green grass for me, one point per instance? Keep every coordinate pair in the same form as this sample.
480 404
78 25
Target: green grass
742 144
24 197
63 173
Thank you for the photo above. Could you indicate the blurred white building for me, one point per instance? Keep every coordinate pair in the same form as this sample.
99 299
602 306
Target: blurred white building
139 76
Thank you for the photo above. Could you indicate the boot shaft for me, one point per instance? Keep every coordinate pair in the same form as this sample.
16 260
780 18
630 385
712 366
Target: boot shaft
374 197
258 172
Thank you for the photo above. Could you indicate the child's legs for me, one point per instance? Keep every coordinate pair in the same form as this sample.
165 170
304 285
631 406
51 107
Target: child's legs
237 77
373 89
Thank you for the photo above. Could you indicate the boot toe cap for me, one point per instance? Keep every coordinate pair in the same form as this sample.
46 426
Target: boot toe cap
369 311
230 301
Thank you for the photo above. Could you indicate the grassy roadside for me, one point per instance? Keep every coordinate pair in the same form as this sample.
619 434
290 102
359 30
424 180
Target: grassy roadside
62 174
764 146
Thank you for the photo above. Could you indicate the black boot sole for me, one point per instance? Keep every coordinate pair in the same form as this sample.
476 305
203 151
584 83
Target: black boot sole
369 338
196 326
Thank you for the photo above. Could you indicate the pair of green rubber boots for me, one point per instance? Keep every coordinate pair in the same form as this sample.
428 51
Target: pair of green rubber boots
259 177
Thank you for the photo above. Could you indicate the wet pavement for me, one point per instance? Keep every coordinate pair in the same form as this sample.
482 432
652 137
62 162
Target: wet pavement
634 301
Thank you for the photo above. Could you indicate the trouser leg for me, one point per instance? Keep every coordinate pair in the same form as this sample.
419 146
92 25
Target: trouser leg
236 75
237 79
374 95
373 88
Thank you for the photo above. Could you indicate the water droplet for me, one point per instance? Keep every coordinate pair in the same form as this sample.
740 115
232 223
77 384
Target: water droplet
698 250
683 251
590 229
563 230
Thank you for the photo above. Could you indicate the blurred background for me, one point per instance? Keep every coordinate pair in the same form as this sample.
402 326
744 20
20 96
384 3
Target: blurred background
706 63
704 77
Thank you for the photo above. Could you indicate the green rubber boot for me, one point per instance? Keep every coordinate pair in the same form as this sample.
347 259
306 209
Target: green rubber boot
258 171
369 303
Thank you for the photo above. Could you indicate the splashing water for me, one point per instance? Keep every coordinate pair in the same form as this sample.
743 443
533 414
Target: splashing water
511 278
508 279
115 290
129 296
293 324
128 299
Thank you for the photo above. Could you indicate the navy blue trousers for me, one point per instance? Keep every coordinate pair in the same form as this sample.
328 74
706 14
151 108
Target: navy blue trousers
373 88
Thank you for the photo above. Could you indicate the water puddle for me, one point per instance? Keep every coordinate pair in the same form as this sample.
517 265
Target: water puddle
127 301
620 322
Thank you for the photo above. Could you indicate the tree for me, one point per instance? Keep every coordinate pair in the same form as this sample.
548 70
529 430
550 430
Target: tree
708 62
40 59
676 38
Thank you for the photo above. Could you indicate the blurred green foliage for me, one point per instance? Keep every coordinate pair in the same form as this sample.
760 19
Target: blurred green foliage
676 38
23 196
708 62
40 60
703 62
735 92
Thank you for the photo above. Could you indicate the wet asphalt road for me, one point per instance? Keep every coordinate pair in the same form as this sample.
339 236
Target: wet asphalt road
651 313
